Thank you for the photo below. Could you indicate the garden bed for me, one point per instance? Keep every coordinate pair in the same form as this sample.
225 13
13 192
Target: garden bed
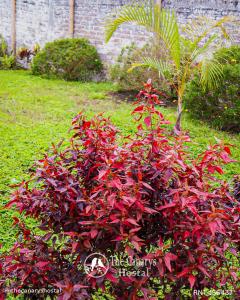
36 112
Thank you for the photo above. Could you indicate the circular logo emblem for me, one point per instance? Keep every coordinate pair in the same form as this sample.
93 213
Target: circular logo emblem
96 265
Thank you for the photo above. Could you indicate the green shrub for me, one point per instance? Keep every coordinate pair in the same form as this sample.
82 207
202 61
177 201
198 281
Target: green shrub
69 59
3 46
221 106
7 61
133 81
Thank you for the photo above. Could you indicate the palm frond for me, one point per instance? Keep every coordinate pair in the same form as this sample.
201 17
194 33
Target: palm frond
162 22
164 68
169 32
204 50
211 73
199 28
139 14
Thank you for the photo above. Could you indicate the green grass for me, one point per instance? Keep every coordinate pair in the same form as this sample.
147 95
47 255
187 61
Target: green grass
36 112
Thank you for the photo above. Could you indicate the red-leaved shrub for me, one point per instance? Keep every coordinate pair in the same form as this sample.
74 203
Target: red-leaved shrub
236 189
146 199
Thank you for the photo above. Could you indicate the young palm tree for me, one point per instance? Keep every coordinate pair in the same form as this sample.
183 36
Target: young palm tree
192 49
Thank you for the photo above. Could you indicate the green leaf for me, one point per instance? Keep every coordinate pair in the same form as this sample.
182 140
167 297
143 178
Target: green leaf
164 68
211 73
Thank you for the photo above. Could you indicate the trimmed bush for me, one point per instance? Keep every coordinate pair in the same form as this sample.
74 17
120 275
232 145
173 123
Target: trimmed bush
219 107
133 81
145 201
69 59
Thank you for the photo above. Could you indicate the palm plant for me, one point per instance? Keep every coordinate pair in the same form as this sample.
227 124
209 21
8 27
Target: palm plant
190 50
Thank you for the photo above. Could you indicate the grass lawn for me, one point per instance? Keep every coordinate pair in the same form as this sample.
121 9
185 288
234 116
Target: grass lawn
36 112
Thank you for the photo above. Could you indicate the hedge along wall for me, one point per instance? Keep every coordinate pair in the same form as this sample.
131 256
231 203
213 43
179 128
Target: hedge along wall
40 21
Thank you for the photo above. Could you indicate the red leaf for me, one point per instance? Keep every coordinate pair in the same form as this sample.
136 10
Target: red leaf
102 173
201 268
150 210
191 280
72 234
140 205
115 221
168 258
88 208
147 186
136 245
234 275
166 206
132 221
16 221
77 287
117 183
112 278
225 246
219 169
139 109
211 169
118 239
93 233
86 124
85 222
155 148
225 157
148 121
87 244
184 272
10 204
127 279
42 264
74 246
213 227
227 149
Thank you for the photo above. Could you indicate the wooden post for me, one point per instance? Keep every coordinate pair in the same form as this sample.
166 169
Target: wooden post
159 2
71 17
14 27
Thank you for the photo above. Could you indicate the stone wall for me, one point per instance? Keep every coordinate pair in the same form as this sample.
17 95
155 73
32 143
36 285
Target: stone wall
40 21
211 8
5 19
90 16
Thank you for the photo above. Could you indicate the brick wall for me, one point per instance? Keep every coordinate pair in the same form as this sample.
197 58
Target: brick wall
40 21
90 16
